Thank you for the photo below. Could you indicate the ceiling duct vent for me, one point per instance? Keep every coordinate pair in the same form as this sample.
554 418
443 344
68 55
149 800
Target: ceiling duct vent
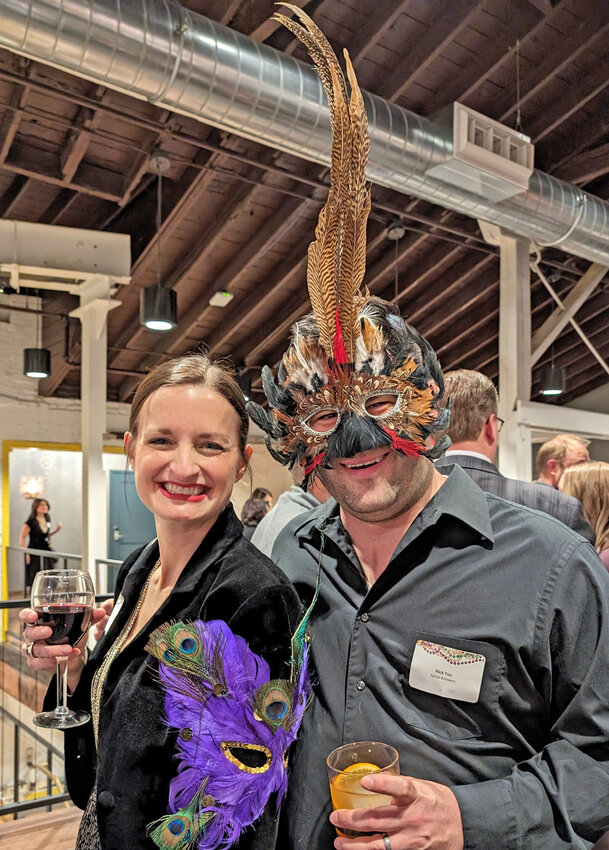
487 158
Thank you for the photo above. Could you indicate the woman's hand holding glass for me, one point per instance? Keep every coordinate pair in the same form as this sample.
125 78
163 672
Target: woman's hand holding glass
64 598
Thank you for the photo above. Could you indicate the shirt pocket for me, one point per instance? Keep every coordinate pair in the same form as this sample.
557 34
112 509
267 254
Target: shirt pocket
441 717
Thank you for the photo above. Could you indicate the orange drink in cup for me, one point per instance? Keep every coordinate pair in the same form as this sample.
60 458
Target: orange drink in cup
347 765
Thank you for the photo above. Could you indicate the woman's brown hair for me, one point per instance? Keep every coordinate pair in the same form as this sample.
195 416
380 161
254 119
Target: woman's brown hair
196 370
34 510
589 482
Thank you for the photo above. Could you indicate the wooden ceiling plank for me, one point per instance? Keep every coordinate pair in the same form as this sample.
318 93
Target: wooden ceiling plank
564 108
550 67
374 26
262 25
32 162
585 167
244 304
428 279
449 19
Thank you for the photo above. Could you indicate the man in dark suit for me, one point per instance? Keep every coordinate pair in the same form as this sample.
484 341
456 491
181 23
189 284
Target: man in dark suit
474 431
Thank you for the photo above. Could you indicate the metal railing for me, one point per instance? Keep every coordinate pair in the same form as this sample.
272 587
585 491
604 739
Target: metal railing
20 806
103 578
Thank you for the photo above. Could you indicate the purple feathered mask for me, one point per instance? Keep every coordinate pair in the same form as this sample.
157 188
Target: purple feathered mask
234 725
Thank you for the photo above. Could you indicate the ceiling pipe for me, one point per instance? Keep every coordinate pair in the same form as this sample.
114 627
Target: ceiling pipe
158 51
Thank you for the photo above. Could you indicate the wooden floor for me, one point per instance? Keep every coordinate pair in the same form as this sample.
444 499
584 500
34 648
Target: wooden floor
45 831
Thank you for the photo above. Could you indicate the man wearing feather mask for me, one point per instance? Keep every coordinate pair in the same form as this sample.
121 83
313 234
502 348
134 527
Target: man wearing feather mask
470 633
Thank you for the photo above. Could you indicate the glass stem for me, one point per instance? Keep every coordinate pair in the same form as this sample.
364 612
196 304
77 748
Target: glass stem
62 687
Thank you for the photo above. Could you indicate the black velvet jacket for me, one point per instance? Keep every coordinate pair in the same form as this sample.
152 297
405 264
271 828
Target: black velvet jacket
226 579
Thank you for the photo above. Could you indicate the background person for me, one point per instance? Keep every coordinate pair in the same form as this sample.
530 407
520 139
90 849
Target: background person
474 432
557 454
252 512
589 482
263 493
299 498
187 446
36 533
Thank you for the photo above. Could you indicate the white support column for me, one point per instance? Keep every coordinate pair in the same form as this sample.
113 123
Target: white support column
514 354
95 305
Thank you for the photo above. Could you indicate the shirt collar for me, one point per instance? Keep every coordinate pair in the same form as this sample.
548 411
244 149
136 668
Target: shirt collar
480 456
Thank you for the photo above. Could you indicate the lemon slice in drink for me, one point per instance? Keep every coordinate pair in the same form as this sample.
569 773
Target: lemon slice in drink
362 767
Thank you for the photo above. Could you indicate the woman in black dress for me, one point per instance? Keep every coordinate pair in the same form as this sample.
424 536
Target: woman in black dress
38 528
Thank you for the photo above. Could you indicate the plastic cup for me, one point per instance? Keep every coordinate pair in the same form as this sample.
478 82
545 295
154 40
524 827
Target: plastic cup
347 765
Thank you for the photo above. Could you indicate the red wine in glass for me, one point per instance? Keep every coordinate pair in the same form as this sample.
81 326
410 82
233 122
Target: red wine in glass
69 622
63 600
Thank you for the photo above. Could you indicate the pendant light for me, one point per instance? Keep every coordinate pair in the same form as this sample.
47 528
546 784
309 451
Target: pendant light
37 361
158 304
553 380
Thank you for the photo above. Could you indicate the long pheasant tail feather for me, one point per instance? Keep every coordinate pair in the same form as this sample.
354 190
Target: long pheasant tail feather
356 211
337 258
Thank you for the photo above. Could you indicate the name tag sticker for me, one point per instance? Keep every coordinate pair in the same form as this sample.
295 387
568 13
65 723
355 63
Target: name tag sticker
446 672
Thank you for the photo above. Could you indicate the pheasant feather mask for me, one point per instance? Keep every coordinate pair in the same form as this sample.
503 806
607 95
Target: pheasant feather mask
234 725
356 376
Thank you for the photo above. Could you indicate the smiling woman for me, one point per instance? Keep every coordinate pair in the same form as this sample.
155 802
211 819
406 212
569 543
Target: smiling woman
187 445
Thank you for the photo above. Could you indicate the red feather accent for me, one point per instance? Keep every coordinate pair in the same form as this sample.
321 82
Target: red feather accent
340 354
313 463
407 447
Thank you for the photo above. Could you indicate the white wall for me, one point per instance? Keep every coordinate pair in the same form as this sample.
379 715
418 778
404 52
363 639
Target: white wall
596 401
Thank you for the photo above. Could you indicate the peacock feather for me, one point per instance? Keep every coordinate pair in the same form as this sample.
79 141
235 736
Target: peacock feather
273 704
180 647
182 830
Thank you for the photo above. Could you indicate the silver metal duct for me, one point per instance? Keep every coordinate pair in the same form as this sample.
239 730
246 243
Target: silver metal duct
158 51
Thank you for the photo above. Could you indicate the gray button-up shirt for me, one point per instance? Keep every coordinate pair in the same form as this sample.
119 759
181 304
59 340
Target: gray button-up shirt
529 760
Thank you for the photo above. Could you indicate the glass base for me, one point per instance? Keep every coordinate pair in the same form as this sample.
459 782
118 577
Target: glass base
57 720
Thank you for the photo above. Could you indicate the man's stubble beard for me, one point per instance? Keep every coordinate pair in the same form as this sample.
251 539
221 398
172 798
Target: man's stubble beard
407 483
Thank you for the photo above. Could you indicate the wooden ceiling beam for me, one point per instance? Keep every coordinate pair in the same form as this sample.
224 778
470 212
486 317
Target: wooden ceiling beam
18 99
40 165
11 197
261 25
430 276
560 110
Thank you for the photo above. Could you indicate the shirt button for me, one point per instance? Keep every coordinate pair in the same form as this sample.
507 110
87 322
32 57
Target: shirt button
360 685
365 617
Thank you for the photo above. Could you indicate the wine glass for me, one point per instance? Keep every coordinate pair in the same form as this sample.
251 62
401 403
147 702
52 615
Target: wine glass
63 600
